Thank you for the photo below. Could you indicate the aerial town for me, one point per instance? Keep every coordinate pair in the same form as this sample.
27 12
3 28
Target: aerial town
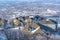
24 20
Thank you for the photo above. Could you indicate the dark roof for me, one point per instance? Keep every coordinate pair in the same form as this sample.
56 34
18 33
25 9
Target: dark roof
46 22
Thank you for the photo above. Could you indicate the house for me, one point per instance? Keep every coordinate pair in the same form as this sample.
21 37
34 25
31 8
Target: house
47 24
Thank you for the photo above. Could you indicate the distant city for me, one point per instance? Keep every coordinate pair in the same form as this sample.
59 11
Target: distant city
10 9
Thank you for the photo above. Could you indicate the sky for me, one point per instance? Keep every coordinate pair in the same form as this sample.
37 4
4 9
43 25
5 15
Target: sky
51 1
29 0
17 0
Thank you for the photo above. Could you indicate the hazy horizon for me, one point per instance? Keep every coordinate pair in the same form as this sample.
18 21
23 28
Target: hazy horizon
34 0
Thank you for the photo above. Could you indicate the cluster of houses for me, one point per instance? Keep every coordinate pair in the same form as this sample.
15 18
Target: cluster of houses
28 26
